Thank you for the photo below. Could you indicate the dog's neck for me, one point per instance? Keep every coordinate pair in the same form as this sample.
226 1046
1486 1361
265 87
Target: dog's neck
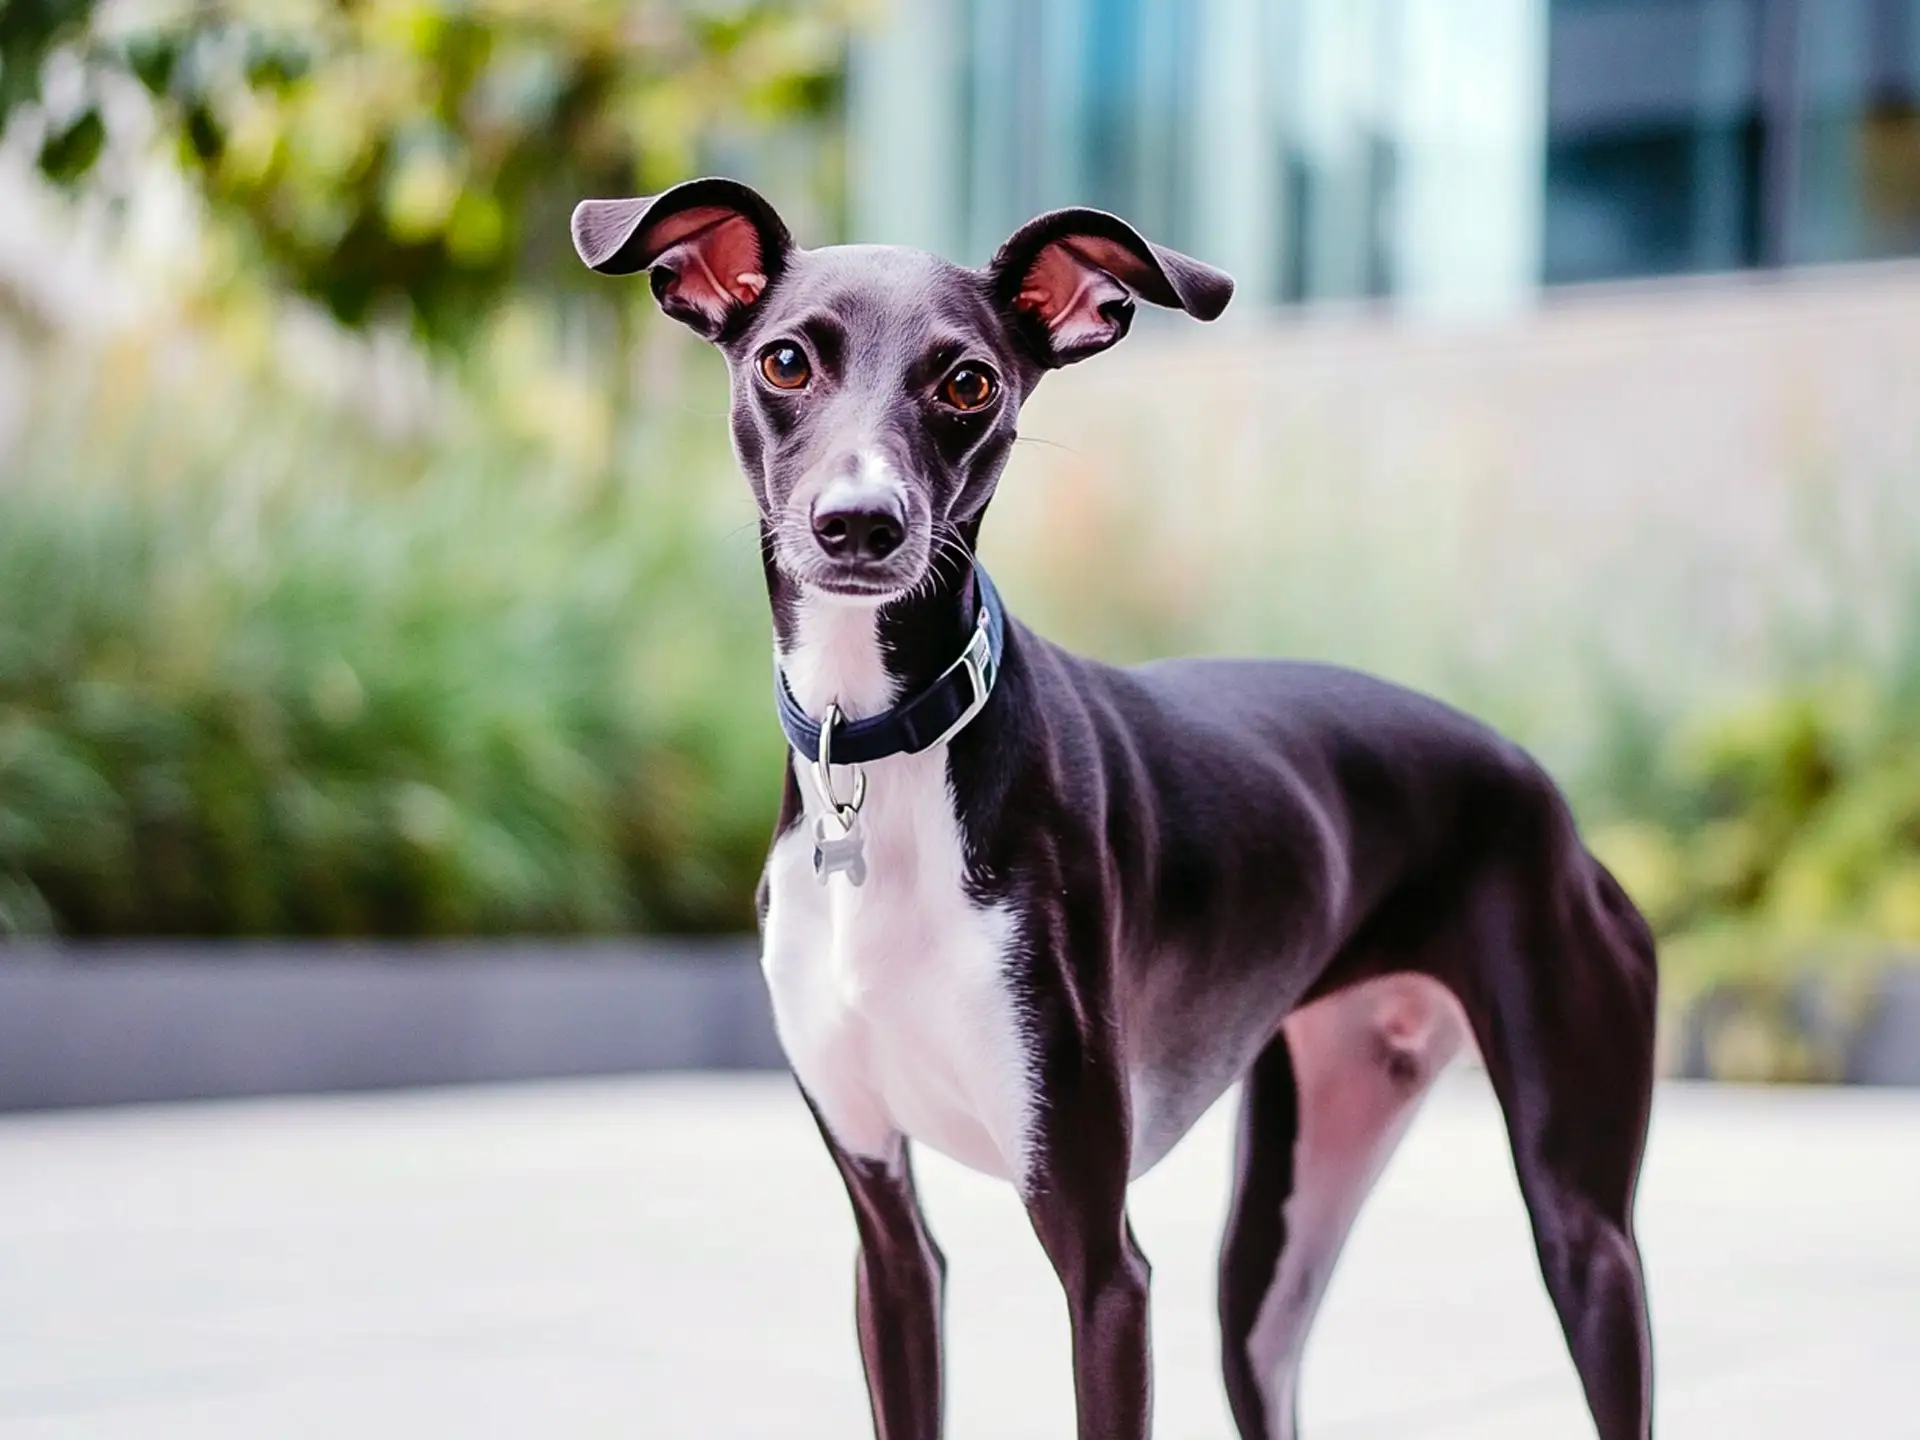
867 658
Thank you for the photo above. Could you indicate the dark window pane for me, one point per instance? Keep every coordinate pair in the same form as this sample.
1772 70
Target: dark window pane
1655 139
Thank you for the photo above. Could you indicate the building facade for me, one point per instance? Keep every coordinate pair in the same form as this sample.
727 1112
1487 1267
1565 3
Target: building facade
1445 155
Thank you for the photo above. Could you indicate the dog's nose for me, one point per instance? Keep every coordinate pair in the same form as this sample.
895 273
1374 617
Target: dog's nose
868 531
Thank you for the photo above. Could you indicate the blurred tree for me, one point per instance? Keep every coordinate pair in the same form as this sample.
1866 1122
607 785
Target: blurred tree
373 154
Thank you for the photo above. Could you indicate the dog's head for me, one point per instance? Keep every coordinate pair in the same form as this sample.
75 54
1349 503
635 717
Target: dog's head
876 390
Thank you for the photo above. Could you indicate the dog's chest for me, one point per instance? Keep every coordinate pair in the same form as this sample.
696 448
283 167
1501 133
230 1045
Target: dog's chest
894 999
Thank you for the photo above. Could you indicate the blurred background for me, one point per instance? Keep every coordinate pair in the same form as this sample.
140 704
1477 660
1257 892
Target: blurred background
369 570
384 687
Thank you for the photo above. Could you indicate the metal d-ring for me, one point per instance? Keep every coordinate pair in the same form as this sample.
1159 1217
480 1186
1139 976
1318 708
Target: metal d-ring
843 811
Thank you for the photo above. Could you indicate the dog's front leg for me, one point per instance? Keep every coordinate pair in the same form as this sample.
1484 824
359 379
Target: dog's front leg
899 1280
1077 1200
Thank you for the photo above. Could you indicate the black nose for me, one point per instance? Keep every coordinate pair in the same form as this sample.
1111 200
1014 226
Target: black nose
867 532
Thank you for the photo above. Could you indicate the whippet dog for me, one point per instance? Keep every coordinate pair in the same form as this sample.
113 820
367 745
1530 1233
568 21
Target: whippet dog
1039 913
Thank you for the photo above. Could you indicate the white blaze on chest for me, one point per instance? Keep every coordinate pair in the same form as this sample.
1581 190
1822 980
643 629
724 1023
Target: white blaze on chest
893 999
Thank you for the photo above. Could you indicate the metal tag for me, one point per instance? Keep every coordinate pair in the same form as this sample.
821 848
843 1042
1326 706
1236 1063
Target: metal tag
846 855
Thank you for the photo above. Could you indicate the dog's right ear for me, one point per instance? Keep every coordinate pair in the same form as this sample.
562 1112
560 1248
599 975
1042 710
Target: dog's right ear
713 245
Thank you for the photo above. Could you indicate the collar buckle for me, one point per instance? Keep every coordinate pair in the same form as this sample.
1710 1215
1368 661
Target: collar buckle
976 660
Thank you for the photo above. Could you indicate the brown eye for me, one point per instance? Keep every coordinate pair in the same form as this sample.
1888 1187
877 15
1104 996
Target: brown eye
785 367
968 388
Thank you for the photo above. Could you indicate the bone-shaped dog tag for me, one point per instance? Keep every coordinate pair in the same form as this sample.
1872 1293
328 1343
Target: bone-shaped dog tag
844 856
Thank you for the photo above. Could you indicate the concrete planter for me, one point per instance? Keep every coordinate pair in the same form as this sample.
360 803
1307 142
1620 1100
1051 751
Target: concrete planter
111 1024
1886 1047
1763 1031
151 1022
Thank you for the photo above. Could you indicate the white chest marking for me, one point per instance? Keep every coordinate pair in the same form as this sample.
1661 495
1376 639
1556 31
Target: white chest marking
894 1000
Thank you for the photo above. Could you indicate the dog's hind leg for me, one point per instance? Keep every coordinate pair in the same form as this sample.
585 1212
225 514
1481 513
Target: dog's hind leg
1320 1114
1557 976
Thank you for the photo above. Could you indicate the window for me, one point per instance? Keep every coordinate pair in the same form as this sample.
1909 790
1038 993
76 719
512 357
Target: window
1697 135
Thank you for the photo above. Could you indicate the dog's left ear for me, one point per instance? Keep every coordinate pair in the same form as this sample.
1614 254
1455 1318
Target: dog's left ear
713 246
1069 277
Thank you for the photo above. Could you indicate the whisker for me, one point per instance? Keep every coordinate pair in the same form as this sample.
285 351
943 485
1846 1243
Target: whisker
949 547
947 535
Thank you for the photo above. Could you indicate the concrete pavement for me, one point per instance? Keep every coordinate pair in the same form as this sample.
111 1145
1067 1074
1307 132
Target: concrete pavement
669 1257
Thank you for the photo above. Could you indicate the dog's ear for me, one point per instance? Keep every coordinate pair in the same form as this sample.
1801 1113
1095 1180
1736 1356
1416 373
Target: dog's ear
713 245
1069 277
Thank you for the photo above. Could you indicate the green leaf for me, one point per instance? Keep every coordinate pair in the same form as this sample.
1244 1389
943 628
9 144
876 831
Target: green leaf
153 59
204 135
68 154
274 64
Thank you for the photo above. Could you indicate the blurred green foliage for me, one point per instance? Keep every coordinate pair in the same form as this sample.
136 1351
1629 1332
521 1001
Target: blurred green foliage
268 668
394 155
1774 844
265 668
265 673
1781 829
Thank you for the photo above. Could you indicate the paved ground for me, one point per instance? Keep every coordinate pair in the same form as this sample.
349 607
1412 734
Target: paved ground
669 1258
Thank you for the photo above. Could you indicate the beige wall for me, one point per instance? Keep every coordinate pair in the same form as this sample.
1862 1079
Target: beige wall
1660 478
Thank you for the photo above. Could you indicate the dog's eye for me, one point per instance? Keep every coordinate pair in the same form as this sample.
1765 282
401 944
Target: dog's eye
968 388
785 366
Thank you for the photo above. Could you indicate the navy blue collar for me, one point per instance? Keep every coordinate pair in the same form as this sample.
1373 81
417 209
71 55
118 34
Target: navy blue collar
935 715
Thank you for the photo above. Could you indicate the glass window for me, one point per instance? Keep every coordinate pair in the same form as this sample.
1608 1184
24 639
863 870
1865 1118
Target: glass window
1445 153
1858 190
1690 135
1654 154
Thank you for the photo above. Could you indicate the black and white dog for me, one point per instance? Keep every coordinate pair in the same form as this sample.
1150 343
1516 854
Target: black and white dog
1039 913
